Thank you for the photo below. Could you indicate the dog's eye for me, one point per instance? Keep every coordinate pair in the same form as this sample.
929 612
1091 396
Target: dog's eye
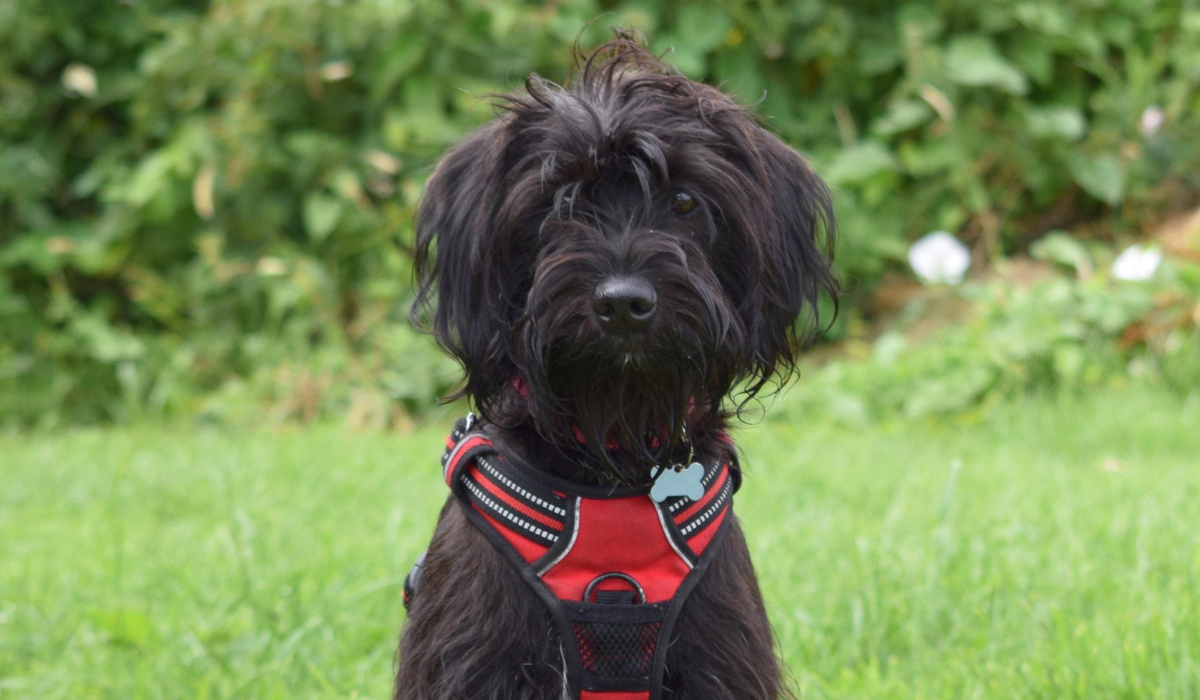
683 203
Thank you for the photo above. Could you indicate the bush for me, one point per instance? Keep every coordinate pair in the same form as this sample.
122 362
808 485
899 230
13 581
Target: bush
1066 333
206 205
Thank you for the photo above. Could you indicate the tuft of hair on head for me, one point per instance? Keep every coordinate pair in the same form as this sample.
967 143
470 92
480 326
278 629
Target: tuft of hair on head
625 52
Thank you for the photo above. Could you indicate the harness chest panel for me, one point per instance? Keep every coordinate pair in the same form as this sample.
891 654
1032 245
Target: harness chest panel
614 567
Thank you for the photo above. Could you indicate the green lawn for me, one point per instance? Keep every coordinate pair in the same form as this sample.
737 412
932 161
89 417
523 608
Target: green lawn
1059 559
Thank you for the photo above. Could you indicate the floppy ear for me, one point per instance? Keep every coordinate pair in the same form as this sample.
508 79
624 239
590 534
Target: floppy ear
461 283
796 244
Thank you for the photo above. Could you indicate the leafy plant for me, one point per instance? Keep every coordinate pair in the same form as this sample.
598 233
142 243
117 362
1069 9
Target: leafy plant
1062 334
206 199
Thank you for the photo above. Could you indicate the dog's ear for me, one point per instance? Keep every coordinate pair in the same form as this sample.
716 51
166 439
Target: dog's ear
460 281
795 247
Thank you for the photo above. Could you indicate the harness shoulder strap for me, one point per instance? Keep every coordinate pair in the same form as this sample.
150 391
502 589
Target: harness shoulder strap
533 519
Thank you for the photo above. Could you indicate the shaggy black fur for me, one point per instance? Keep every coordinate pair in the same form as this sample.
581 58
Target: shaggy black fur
567 188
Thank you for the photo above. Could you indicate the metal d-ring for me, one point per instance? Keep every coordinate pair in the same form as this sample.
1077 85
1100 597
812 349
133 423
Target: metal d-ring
587 594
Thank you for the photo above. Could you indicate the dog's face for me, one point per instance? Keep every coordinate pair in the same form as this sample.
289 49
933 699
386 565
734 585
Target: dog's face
616 256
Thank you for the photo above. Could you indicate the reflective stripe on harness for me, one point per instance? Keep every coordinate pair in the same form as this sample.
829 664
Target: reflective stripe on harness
613 567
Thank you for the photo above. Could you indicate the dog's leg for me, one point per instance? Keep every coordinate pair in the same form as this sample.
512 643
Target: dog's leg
475 630
722 647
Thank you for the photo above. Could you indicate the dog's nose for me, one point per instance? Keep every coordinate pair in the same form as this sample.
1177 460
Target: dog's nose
625 305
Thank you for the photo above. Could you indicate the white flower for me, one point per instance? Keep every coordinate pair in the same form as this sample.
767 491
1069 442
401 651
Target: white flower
202 192
336 70
1151 121
1137 263
80 80
271 267
939 258
384 162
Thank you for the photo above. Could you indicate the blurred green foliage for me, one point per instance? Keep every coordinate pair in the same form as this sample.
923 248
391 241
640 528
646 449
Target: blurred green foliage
1066 332
205 207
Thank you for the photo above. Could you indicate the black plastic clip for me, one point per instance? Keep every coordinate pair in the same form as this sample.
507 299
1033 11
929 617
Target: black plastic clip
413 580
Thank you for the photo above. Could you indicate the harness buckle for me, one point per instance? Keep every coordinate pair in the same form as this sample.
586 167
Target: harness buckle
412 581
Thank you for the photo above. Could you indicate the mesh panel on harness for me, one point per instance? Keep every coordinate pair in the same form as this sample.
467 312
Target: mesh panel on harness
617 650
613 567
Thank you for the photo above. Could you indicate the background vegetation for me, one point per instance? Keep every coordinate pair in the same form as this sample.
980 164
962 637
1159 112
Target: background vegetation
205 213
205 206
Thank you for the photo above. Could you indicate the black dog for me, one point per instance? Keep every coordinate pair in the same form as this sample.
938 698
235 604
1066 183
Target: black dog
614 260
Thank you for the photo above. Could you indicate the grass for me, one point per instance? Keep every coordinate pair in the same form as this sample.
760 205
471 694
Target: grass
1047 551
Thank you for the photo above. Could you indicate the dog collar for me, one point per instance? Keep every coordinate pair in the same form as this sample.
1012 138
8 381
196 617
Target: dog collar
613 566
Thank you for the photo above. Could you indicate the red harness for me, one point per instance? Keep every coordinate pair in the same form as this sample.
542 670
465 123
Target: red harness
613 566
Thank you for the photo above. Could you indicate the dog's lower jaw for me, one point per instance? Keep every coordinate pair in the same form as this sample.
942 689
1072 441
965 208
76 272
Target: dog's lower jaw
477 631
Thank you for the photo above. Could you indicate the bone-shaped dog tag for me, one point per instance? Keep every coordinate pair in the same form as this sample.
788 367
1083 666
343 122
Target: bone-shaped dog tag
686 482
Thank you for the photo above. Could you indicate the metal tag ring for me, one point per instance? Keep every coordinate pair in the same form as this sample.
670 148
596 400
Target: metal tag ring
587 594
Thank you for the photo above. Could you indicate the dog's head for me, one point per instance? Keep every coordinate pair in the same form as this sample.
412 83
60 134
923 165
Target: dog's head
615 256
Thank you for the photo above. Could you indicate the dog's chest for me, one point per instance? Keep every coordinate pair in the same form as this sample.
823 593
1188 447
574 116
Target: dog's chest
613 567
